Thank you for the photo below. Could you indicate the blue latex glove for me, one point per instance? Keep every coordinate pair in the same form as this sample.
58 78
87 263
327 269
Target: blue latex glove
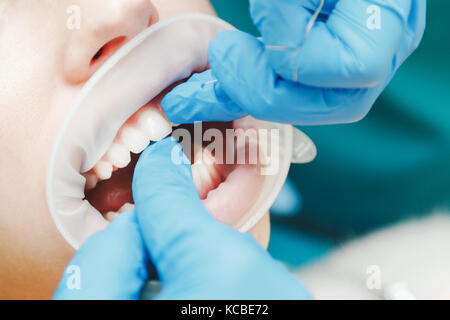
195 256
334 75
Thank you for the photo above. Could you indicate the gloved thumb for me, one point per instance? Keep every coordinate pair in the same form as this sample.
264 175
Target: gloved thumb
170 213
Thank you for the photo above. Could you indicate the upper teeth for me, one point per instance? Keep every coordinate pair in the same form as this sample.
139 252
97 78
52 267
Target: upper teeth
148 124
153 123
133 139
110 216
103 170
91 180
118 155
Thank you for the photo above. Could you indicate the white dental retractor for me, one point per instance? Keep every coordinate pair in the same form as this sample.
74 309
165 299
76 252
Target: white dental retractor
163 54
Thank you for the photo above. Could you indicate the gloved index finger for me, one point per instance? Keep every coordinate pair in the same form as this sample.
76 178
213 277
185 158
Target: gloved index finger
170 213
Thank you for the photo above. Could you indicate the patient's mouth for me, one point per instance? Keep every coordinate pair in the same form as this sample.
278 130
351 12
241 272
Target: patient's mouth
91 164
228 190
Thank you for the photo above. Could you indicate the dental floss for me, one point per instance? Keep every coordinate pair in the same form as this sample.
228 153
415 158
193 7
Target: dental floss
313 19
308 28
297 50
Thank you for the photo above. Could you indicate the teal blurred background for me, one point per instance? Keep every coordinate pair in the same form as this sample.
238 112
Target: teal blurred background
392 165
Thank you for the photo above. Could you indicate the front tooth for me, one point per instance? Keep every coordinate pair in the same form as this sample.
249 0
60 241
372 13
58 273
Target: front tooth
127 207
205 176
203 179
118 155
133 139
91 181
103 170
154 124
244 123
206 158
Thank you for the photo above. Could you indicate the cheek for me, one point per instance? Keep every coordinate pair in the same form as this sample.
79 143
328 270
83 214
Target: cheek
32 108
36 251
168 8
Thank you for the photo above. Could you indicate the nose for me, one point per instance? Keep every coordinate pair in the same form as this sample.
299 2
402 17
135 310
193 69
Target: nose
104 27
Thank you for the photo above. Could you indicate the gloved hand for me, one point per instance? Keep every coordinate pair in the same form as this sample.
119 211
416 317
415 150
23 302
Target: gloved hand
333 75
195 256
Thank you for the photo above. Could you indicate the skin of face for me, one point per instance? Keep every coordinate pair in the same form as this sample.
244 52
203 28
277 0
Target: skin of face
44 66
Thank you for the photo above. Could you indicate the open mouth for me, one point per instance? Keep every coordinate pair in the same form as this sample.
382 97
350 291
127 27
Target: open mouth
118 114
227 189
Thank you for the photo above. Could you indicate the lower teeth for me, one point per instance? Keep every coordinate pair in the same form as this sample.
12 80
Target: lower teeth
110 216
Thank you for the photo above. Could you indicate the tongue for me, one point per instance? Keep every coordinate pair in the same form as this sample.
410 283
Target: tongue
110 195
